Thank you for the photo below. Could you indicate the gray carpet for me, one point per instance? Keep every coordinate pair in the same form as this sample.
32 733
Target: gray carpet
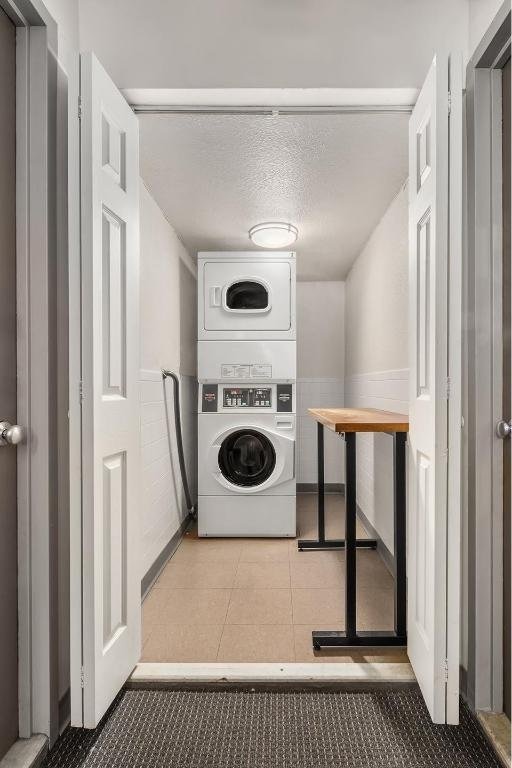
237 729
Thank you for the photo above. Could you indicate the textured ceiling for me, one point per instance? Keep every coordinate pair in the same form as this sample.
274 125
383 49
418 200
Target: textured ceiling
333 176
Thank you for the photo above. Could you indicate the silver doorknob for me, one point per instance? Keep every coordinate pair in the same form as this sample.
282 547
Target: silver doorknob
11 434
503 429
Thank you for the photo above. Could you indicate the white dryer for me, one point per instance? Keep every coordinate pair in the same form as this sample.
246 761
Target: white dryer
246 295
246 459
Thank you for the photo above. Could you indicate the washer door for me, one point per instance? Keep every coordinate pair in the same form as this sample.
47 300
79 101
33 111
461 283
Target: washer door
247 458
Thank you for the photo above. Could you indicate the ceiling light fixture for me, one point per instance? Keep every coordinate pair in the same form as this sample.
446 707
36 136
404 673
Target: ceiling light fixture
273 234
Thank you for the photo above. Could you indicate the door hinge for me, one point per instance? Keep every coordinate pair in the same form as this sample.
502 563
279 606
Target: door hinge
448 387
82 680
81 395
449 102
79 108
445 670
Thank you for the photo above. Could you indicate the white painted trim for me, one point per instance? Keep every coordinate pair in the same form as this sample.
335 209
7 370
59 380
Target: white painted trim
271 97
350 672
496 505
36 87
454 479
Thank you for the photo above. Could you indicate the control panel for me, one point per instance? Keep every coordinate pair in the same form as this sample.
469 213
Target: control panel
247 397
272 398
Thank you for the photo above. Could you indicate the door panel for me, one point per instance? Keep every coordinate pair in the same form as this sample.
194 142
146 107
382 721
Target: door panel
8 536
108 579
431 588
234 296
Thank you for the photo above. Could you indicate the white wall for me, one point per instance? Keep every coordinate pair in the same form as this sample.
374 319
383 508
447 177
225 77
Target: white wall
320 374
228 43
66 14
481 14
376 354
168 340
377 295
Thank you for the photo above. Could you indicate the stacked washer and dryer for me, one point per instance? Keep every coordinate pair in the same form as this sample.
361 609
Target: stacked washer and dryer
247 378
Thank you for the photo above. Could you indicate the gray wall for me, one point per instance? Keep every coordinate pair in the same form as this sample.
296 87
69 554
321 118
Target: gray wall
65 13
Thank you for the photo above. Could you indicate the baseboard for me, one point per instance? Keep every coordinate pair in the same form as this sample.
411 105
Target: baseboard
313 487
167 552
389 560
26 753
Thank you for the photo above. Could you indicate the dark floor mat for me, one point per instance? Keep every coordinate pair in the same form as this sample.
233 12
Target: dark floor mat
236 729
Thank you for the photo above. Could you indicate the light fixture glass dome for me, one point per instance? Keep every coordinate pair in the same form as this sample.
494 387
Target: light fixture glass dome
273 234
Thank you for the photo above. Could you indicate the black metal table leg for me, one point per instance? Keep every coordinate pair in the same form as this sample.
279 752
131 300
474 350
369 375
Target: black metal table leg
350 535
351 637
400 515
321 483
322 542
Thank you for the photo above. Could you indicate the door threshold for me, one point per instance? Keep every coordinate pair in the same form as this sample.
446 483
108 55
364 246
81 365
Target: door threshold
26 753
153 674
497 730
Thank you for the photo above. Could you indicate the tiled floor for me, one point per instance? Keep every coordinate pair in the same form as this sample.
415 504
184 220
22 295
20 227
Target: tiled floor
257 600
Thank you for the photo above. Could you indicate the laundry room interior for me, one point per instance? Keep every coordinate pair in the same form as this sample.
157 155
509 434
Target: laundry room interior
274 280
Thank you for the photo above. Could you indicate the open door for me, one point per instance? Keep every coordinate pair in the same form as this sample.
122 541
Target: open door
435 231
105 578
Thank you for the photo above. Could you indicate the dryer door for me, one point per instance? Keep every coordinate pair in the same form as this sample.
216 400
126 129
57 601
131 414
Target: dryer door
247 458
249 296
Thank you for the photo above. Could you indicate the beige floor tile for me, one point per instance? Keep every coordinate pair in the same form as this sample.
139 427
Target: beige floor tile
198 574
260 606
372 571
307 517
186 606
208 550
375 609
181 642
317 569
262 575
146 631
152 608
265 551
318 606
304 650
250 643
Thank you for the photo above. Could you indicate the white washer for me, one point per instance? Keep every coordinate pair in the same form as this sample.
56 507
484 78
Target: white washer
246 295
246 460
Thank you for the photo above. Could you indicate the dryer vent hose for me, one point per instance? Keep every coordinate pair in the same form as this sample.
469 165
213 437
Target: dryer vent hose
179 439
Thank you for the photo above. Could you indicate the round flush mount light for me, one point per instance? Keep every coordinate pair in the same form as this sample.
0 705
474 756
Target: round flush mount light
273 234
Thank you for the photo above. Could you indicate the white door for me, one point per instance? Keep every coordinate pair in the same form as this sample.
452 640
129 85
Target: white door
247 296
435 178
105 584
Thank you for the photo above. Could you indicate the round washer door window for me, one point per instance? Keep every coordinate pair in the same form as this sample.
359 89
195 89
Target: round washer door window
247 458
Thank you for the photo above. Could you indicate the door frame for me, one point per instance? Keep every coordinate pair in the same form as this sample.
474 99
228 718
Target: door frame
36 89
483 543
228 101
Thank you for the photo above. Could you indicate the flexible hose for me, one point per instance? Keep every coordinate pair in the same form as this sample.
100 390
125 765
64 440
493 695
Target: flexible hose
179 439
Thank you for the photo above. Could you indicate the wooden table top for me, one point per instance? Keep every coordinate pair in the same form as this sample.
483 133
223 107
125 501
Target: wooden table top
360 419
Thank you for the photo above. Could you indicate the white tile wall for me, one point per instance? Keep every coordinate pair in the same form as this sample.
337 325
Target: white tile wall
388 390
318 393
163 507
